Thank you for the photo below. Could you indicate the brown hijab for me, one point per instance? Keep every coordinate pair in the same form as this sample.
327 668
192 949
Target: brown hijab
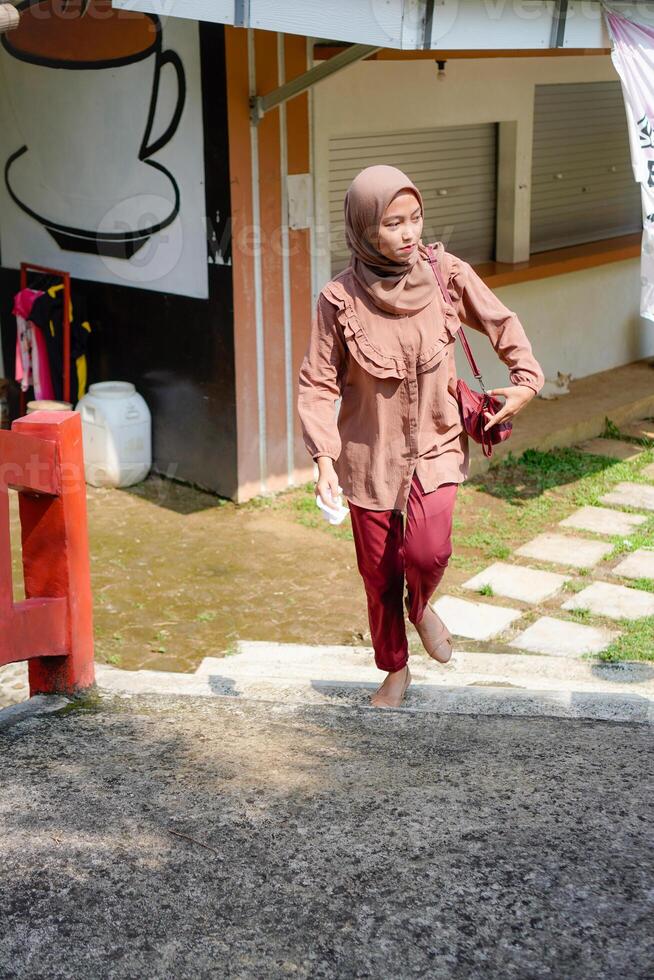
397 287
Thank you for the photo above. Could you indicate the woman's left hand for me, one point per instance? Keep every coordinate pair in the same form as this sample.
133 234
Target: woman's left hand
516 396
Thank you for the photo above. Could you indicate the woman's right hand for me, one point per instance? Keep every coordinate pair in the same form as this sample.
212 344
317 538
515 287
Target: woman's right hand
327 484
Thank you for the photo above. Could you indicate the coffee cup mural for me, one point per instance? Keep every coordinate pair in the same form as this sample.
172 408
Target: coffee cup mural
88 145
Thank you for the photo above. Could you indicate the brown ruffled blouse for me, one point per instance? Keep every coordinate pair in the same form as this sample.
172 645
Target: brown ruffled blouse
396 377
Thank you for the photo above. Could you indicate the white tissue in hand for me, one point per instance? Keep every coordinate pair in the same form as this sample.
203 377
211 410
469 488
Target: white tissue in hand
334 514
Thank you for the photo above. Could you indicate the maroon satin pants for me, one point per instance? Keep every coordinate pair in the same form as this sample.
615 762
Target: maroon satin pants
386 555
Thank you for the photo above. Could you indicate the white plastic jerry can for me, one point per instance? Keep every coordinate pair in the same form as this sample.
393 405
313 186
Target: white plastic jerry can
117 434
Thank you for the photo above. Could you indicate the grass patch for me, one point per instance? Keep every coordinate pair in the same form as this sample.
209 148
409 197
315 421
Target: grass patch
519 479
610 430
206 616
645 585
635 643
642 536
581 614
489 543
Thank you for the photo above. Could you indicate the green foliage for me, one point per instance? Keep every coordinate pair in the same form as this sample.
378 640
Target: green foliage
634 643
206 616
610 430
581 614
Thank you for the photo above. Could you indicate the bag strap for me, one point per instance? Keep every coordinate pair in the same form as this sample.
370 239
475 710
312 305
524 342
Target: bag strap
448 299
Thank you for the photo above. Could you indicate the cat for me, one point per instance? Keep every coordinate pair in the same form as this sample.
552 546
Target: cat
552 388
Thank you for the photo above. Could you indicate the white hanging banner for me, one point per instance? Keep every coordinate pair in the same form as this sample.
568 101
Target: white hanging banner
632 53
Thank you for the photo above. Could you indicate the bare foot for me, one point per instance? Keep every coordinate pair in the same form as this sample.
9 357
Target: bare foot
435 636
392 691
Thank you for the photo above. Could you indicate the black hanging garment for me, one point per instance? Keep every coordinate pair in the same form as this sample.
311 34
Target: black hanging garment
47 313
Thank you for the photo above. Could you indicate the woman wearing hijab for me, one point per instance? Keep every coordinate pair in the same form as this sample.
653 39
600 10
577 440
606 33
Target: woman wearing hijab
382 340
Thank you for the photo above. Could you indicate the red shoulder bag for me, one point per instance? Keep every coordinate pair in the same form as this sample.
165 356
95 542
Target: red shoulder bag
472 404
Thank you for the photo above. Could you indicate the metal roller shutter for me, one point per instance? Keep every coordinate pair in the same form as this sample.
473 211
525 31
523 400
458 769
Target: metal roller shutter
583 187
455 168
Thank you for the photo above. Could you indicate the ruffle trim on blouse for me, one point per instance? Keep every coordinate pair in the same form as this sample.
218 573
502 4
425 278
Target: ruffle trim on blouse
364 352
452 321
369 356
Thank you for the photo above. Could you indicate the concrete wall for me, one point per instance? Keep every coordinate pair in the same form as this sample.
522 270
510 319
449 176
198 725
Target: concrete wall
580 322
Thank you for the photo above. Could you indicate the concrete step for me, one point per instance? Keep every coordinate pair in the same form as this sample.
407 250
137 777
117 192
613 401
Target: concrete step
473 683
612 448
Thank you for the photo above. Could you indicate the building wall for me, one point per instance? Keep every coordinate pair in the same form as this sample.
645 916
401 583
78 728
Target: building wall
271 261
177 350
580 322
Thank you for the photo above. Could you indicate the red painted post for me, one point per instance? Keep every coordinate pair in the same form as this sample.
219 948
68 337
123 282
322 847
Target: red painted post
57 616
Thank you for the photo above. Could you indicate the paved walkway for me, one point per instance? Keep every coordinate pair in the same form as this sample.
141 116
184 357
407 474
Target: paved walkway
549 566
199 838
541 679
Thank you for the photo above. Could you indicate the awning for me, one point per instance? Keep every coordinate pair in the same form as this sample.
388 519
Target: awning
410 24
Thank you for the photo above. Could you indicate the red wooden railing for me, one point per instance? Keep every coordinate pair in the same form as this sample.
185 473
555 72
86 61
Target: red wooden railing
52 628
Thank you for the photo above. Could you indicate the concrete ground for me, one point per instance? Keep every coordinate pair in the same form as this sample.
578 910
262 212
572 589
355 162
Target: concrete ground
157 836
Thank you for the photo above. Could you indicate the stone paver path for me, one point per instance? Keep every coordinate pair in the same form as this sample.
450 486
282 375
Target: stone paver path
561 638
630 495
613 601
564 549
518 582
550 636
613 448
603 520
639 564
474 620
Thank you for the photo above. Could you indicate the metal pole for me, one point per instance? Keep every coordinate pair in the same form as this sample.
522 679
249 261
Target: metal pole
260 104
559 16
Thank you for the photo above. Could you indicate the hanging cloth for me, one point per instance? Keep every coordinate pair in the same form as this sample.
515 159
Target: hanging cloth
47 313
632 54
32 362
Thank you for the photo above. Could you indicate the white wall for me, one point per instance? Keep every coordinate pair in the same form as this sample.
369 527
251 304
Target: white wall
598 306
578 323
